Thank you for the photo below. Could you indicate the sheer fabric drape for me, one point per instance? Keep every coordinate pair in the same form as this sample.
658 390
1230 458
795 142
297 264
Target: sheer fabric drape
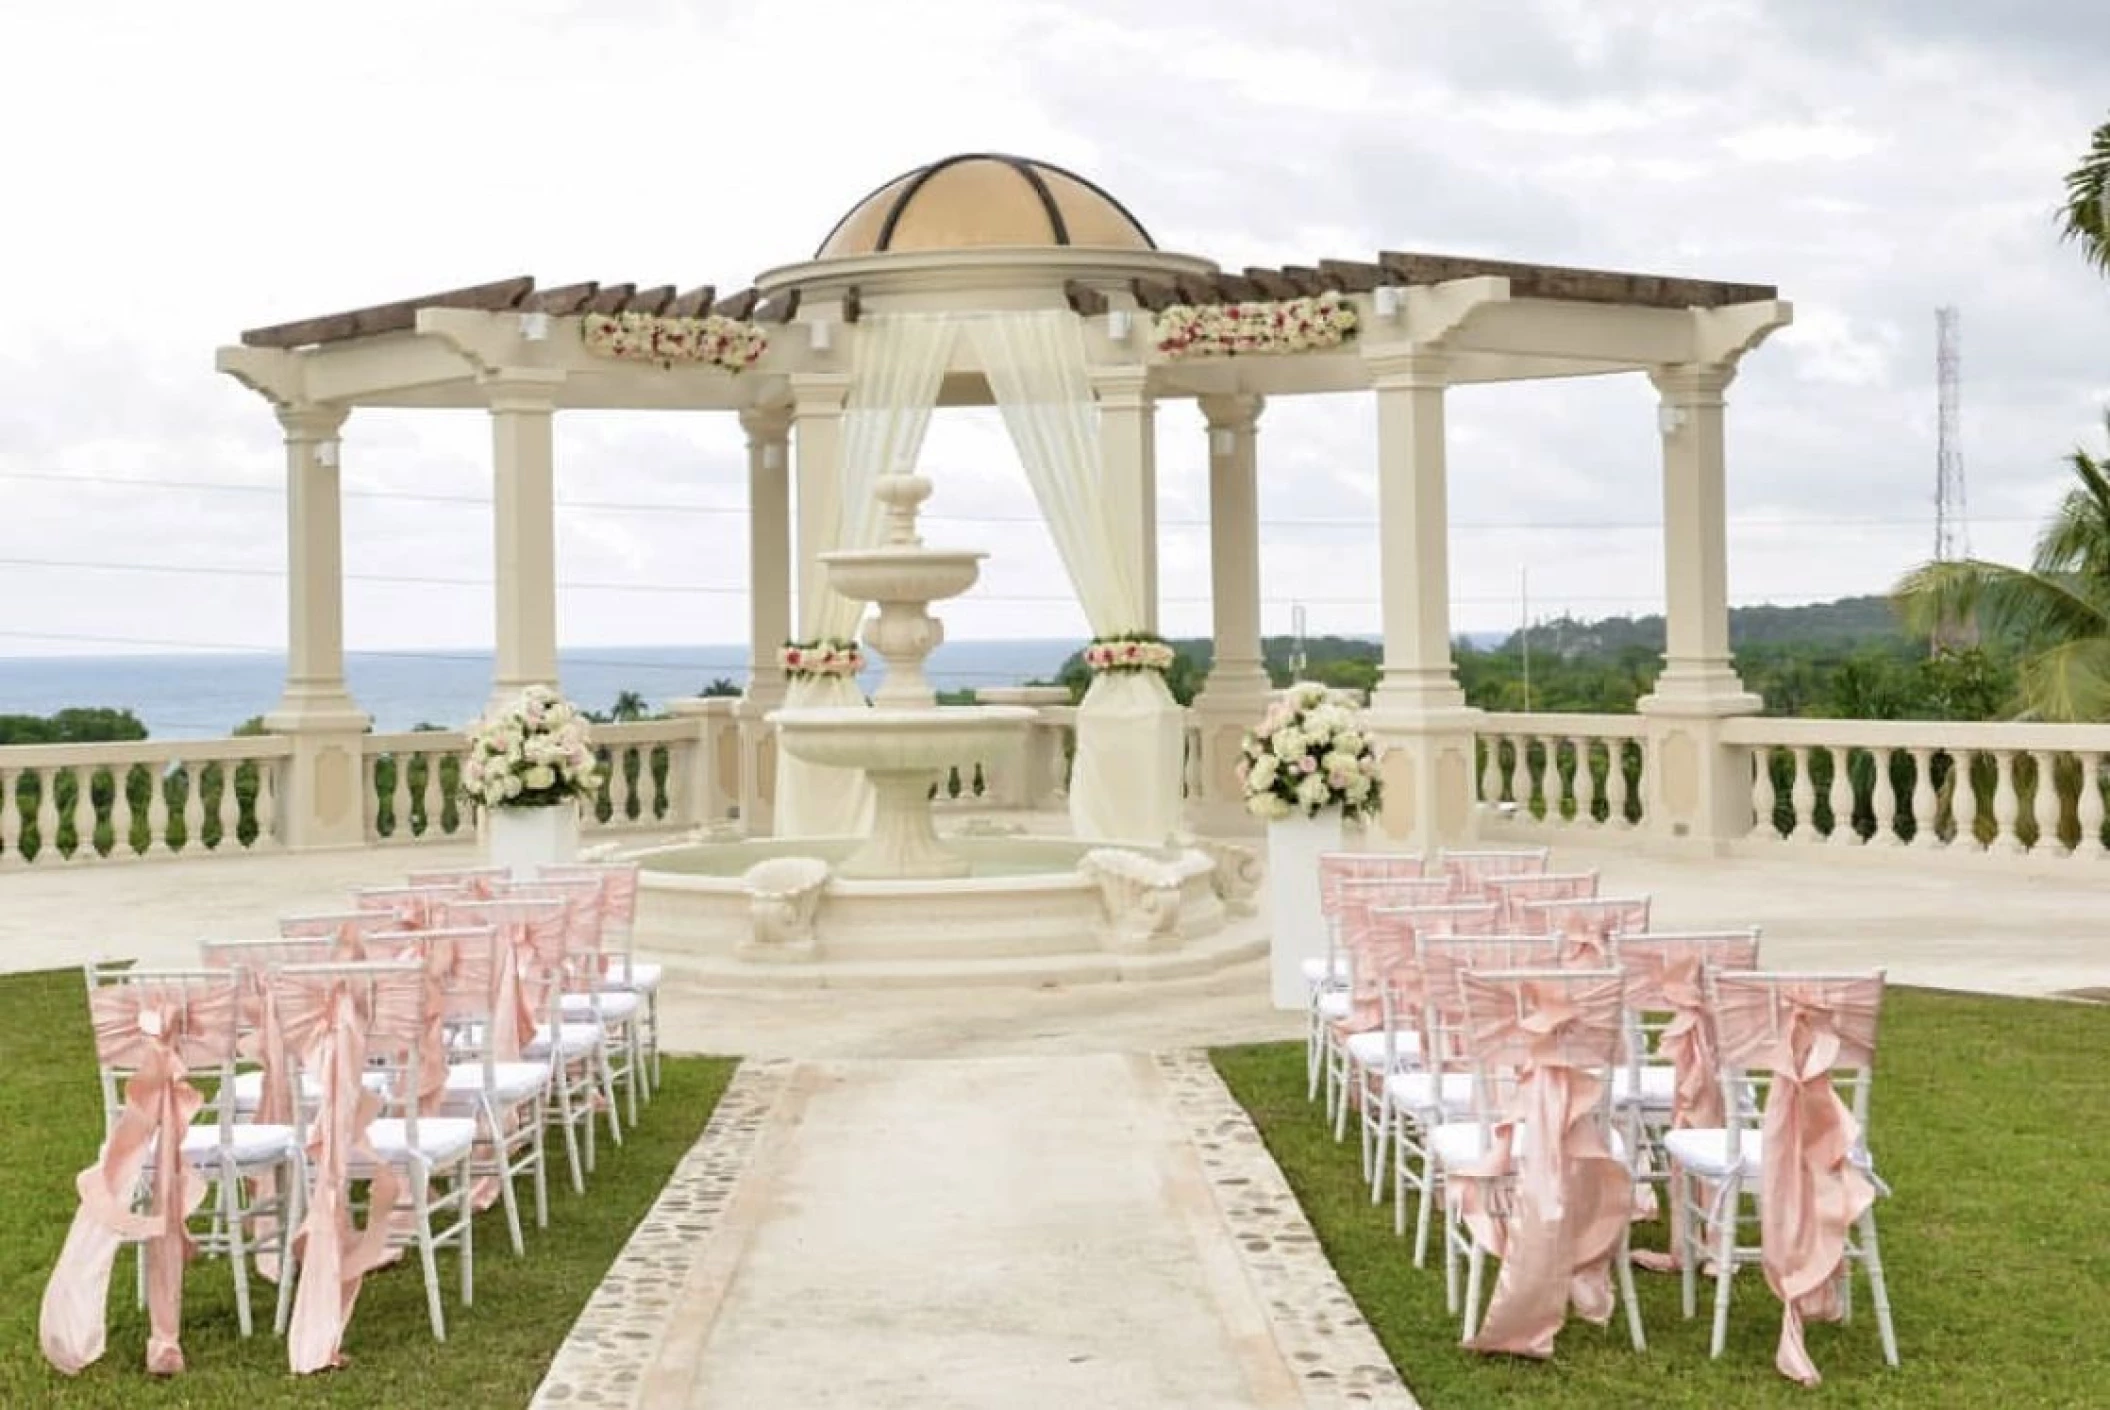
898 365
1125 780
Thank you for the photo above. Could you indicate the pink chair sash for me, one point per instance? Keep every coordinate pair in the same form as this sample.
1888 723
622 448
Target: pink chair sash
531 943
332 1020
1572 1196
1813 1190
160 1031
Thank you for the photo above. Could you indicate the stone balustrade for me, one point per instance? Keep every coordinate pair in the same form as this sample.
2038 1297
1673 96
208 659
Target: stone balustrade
1562 773
75 804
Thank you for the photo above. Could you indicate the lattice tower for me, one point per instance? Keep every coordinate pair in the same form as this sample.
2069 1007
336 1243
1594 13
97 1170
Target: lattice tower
1952 531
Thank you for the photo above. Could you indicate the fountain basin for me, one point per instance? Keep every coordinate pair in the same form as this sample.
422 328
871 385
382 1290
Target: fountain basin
890 741
912 575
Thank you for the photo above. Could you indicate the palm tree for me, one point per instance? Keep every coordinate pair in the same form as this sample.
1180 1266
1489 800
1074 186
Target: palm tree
629 705
2057 610
2085 218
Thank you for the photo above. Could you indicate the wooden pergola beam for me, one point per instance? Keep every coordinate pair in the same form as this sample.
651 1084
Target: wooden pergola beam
396 317
1553 281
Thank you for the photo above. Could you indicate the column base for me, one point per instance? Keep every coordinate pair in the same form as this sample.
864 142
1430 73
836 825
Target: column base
1696 789
321 785
1426 764
1232 702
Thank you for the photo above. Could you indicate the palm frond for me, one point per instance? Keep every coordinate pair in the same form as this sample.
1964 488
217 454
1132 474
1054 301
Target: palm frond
2077 537
2083 219
2070 683
2042 608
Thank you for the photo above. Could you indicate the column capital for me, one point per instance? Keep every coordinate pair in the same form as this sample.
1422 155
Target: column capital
1692 383
1232 411
1122 386
765 423
520 388
819 393
310 422
1406 366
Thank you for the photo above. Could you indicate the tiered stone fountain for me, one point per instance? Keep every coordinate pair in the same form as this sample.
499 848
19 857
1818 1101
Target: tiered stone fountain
900 905
906 740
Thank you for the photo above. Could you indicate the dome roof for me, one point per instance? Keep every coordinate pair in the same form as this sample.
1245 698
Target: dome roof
982 198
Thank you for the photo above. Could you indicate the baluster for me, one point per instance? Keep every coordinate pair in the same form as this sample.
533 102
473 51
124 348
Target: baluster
2045 804
158 809
230 806
1615 784
370 795
193 808
121 811
1585 784
1762 828
1550 780
84 815
48 816
1841 798
1491 769
1520 774
266 804
1926 804
1963 801
1802 797
399 798
427 795
1883 799
619 790
2006 805
10 818
2090 809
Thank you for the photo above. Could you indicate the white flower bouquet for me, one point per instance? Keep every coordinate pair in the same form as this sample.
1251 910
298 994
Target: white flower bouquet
646 337
533 754
1228 330
1129 653
812 660
1306 755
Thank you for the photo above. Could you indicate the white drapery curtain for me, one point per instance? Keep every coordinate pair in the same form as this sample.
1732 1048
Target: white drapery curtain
1125 780
897 365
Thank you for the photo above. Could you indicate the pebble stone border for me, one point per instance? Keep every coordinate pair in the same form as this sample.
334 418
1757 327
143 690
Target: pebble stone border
608 1350
1317 1326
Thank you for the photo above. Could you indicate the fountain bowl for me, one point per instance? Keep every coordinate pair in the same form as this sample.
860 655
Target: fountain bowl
894 574
894 741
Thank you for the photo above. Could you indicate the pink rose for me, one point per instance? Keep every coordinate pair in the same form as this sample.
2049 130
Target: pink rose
1307 765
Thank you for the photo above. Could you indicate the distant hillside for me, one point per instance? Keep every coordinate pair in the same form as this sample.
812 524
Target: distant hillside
1847 623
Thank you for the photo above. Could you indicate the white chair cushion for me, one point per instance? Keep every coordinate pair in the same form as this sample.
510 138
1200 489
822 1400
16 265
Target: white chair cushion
577 1039
1659 1084
252 1144
1459 1143
249 1088
1317 970
1416 1092
510 1081
1336 1004
644 977
1368 1049
441 1139
613 1005
1704 1150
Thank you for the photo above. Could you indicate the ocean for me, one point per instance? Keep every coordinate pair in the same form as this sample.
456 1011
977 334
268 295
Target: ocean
201 696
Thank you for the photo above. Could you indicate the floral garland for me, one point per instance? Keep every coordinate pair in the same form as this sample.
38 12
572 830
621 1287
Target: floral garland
1306 755
1227 330
535 753
1129 653
646 337
820 658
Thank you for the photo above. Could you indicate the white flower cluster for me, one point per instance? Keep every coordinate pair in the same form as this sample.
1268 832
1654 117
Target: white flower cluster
1129 654
1308 754
646 337
1227 330
533 754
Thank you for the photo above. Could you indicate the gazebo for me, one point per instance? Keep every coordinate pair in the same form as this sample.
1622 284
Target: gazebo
825 366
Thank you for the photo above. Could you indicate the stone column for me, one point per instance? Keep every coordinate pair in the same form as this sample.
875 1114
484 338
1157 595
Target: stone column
524 515
1236 692
1128 462
1697 790
769 598
817 400
319 802
1424 731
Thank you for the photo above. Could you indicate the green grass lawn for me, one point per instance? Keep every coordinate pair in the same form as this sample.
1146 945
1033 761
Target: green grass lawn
1991 1121
496 1351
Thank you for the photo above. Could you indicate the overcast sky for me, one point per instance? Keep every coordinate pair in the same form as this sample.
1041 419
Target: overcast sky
180 172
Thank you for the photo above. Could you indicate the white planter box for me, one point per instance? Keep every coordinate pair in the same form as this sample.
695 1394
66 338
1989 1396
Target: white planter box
522 839
1296 930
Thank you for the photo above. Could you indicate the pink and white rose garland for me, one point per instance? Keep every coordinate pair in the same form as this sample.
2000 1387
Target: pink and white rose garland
1306 755
535 753
813 660
1136 651
647 337
1228 330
